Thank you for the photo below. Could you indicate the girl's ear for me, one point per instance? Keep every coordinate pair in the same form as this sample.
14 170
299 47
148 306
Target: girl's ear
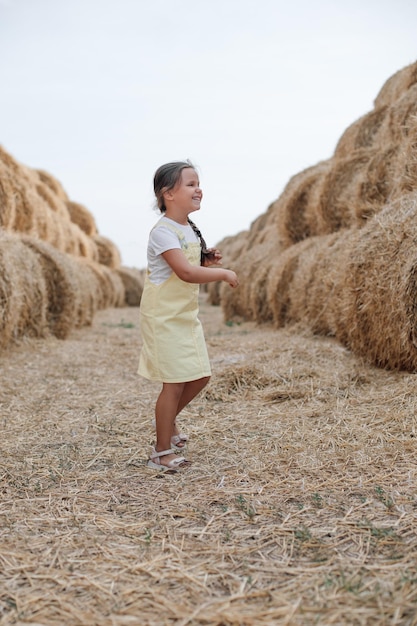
167 194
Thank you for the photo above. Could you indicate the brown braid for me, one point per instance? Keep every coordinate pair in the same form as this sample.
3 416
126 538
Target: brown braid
204 252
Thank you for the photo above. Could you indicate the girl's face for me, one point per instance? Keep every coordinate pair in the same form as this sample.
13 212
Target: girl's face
187 194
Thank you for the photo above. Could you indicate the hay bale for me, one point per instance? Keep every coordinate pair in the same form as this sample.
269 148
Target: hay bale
396 85
362 134
111 287
248 262
133 281
108 252
53 184
336 208
231 249
297 211
358 285
400 116
81 216
7 202
379 288
405 174
279 282
90 290
375 183
62 284
23 293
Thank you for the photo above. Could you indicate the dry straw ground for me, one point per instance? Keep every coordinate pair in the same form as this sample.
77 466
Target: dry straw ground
299 508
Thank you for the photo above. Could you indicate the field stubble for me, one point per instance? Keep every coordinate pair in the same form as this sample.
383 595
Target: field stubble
299 508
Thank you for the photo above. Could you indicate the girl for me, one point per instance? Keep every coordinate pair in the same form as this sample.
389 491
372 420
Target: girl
174 350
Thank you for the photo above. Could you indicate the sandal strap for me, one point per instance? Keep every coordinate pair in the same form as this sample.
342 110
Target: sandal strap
155 454
175 439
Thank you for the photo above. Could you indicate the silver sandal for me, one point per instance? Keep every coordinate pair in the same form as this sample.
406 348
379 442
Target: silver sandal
177 439
173 466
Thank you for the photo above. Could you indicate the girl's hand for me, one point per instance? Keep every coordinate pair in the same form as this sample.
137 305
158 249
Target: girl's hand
213 256
231 278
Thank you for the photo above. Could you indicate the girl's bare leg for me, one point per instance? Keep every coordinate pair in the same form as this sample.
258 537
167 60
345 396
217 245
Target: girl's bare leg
190 391
172 399
165 413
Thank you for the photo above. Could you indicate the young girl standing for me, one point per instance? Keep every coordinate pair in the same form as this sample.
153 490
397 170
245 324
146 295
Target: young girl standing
174 350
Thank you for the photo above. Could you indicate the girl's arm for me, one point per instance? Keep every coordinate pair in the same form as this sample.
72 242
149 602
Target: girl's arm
196 273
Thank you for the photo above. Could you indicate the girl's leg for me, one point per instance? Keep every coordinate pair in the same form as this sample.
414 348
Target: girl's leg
189 392
165 413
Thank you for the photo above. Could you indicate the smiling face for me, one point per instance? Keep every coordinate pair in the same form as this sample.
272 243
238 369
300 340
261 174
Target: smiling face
186 196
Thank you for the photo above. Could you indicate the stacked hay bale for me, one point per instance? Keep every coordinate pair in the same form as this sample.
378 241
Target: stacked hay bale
55 268
337 251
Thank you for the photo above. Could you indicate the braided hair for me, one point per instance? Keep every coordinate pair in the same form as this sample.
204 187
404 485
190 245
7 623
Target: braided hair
204 252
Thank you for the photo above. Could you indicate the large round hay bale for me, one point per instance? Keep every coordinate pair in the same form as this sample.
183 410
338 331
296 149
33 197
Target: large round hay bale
62 284
54 202
405 174
358 285
336 207
279 279
231 248
111 287
374 184
7 200
133 281
90 291
400 117
396 85
362 134
53 184
23 293
79 243
297 211
108 252
379 297
81 216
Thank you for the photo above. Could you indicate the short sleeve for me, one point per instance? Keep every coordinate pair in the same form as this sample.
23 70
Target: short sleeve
162 239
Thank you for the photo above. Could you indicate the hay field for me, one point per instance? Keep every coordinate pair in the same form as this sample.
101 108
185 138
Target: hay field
299 508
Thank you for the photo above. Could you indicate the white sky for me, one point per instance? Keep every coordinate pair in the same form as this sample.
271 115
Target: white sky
100 93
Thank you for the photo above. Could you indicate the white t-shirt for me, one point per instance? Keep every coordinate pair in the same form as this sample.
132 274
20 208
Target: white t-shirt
161 239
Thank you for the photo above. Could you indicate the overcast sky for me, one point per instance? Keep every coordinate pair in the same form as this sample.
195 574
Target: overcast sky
100 93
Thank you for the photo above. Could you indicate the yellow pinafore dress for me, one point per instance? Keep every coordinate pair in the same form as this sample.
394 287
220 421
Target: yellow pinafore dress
174 349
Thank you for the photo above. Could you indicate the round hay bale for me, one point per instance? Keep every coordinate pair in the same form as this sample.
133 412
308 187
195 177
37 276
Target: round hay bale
7 200
79 244
133 281
378 303
405 175
336 209
375 183
23 294
231 249
363 133
108 252
358 285
90 290
396 85
53 184
81 216
53 202
297 214
111 287
279 280
400 117
62 285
